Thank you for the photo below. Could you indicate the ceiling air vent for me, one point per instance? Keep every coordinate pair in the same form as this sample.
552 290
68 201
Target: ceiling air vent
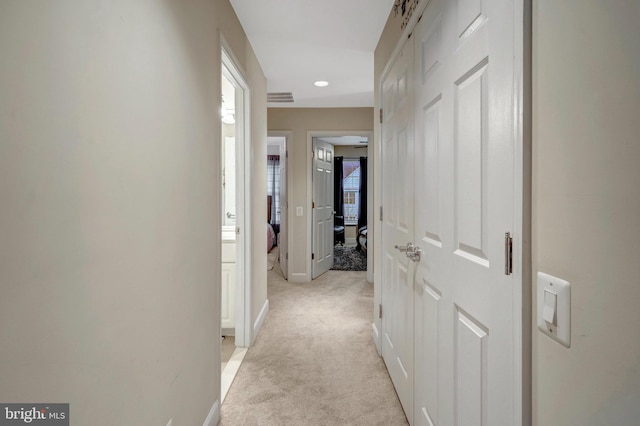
279 97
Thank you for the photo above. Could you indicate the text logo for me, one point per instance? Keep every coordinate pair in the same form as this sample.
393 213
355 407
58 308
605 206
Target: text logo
34 414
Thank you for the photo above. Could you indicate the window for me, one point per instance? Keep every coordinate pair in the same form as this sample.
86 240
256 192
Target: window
351 185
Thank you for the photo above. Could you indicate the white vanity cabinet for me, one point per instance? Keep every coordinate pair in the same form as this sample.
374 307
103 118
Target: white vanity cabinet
228 285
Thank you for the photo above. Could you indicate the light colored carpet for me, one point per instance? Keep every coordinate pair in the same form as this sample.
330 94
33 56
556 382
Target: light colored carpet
314 362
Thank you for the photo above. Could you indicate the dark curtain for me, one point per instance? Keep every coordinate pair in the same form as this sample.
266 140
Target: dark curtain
273 188
362 210
338 188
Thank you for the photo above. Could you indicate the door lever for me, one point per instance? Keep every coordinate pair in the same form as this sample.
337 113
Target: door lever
405 249
412 251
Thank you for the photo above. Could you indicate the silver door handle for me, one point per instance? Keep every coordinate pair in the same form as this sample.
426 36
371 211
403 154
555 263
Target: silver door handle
405 249
412 251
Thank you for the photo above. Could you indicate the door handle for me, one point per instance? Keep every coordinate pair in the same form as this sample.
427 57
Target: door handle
405 249
412 251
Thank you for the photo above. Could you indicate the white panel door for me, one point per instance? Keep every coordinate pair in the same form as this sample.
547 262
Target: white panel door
397 226
468 317
322 258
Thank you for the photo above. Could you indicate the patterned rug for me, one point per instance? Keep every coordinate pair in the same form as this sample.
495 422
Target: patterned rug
348 259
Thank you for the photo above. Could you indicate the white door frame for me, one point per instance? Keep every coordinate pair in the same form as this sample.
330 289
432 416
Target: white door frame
287 137
243 332
309 150
522 219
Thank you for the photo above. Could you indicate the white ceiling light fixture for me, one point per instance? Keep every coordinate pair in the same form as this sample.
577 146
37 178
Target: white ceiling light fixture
321 83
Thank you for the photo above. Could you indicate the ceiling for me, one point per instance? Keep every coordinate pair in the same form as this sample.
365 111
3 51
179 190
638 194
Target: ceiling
298 42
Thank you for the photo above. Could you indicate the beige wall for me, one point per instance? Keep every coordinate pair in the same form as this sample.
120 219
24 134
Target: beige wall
586 104
586 204
109 212
349 151
299 121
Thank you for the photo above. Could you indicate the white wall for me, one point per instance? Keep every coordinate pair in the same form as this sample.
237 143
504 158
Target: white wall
109 212
300 121
586 104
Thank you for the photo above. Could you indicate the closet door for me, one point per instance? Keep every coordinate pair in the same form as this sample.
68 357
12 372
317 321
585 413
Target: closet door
468 326
398 197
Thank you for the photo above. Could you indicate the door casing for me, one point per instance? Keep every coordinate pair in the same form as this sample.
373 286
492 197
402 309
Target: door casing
244 330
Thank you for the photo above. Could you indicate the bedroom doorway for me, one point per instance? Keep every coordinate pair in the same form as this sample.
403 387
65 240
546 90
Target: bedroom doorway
351 207
277 202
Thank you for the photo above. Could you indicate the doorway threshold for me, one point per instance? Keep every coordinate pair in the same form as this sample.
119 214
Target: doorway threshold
230 371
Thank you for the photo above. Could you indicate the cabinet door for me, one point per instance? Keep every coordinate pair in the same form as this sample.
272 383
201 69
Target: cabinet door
228 295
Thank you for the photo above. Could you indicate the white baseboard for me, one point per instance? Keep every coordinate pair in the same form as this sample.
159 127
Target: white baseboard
376 337
261 317
298 277
214 415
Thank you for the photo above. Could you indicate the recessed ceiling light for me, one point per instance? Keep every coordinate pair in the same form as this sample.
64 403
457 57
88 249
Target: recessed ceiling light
321 83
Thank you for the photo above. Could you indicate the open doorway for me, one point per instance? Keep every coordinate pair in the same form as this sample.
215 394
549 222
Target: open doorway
235 222
346 238
277 203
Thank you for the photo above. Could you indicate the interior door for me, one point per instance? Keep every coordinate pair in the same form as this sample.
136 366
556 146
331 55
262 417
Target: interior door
397 226
284 211
322 257
468 318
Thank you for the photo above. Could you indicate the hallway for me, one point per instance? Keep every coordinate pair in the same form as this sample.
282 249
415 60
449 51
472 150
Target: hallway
314 362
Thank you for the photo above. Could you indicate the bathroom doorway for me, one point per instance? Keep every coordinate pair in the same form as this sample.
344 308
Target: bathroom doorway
235 228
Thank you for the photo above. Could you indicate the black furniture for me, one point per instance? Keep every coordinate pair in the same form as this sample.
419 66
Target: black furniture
338 230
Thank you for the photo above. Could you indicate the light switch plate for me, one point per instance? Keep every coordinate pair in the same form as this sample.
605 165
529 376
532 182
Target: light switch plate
561 331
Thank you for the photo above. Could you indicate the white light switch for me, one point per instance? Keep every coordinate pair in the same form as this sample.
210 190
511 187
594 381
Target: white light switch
298 210
549 310
554 308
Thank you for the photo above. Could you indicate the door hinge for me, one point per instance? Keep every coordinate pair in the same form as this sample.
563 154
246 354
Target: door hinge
313 204
286 154
286 256
380 311
381 115
313 256
508 253
380 213
238 230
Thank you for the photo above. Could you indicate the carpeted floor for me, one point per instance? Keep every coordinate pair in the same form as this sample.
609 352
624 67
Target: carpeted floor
314 362
348 258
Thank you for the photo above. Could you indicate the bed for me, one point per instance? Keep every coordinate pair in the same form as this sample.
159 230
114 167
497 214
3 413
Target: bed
362 239
271 238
